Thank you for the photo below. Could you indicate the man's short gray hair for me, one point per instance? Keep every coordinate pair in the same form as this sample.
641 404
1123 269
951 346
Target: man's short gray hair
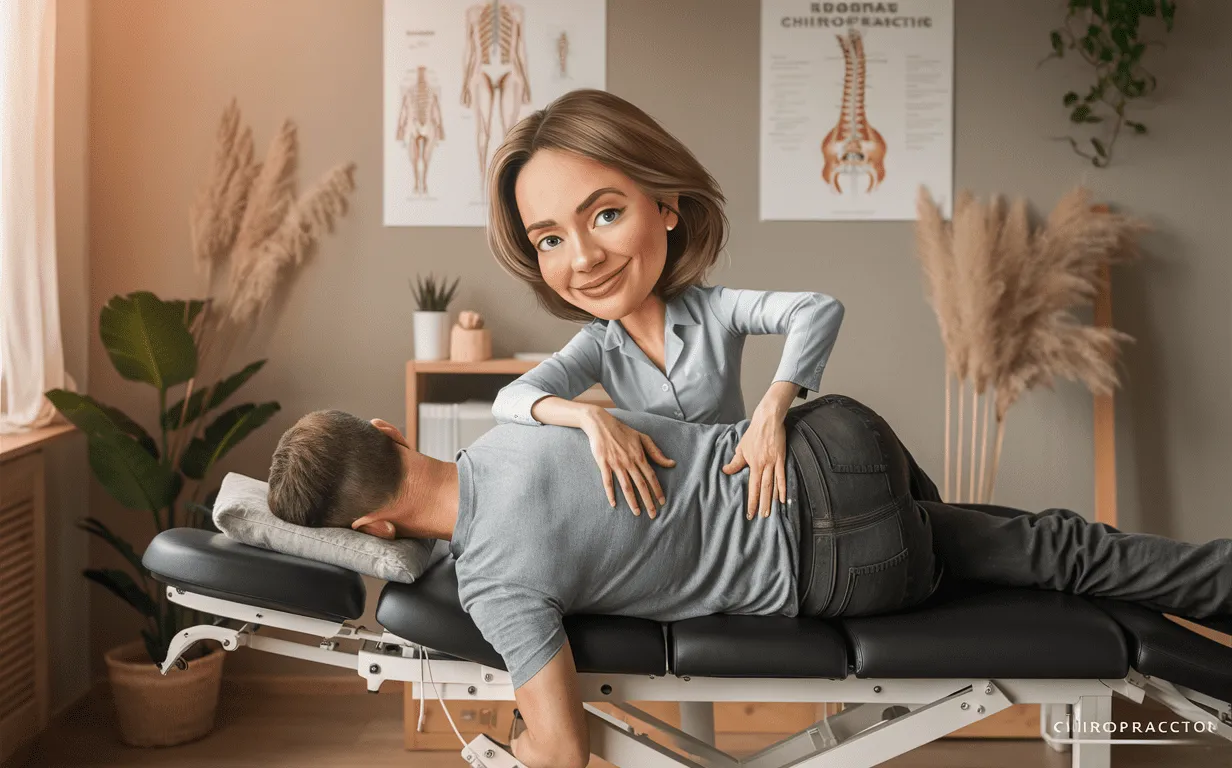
332 468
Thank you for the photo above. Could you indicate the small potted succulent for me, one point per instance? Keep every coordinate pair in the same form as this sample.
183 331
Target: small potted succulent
432 317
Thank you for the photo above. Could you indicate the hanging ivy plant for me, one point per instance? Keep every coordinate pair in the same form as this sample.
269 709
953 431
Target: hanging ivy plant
1105 34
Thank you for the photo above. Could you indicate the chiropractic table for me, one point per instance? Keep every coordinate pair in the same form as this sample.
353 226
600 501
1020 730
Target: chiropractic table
910 678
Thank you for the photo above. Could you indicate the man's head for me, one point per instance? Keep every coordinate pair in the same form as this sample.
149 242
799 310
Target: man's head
331 469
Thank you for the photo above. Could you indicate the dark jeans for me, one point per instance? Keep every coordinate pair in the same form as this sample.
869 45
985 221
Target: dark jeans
876 536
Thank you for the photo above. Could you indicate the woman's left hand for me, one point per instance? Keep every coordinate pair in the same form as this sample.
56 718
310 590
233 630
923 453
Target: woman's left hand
763 449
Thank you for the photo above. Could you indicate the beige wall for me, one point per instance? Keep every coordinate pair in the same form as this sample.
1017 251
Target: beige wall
161 72
68 597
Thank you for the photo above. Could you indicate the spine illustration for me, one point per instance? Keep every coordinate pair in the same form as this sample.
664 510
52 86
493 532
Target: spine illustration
853 146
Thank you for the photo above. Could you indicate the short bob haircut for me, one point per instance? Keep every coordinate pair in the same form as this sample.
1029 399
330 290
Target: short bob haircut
609 130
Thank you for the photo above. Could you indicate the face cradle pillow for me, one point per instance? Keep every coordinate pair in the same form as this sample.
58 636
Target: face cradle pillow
242 512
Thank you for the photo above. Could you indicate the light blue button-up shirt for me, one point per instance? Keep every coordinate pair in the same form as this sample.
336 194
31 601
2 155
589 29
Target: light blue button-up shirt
704 337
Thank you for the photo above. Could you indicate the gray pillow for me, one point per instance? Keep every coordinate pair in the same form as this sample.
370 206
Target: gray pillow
242 512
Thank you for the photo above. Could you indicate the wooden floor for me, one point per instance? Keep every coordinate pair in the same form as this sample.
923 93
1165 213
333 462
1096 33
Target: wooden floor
337 731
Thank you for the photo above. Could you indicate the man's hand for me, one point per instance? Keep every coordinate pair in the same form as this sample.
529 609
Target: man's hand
763 449
556 735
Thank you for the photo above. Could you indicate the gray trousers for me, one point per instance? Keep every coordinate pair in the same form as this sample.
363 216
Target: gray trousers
876 536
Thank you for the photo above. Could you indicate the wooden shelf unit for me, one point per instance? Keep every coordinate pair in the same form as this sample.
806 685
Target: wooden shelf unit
420 375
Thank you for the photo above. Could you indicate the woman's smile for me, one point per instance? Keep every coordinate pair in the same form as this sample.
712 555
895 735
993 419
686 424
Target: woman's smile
600 287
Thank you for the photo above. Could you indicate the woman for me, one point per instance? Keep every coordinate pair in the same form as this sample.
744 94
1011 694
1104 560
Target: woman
611 220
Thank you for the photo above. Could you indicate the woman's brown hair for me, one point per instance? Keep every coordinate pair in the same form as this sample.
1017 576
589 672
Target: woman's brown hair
609 130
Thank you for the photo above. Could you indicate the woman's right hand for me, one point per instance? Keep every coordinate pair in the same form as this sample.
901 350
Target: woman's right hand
621 450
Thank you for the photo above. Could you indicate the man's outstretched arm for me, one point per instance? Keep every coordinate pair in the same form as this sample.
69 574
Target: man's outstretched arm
524 625
556 734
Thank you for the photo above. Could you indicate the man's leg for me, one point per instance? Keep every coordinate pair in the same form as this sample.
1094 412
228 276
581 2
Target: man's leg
1060 550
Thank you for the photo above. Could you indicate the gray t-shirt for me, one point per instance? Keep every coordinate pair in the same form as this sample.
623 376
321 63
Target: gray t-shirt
536 538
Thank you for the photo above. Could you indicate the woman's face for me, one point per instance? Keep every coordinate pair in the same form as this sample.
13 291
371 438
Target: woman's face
601 242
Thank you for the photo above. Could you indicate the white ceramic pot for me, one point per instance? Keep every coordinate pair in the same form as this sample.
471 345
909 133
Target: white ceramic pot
431 335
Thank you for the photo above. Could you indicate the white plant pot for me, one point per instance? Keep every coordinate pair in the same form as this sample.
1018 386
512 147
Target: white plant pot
431 335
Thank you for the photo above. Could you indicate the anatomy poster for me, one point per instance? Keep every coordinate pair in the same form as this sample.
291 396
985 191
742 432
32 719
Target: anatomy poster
856 108
458 75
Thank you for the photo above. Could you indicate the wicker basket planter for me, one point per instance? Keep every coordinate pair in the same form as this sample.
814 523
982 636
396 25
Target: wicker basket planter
158 711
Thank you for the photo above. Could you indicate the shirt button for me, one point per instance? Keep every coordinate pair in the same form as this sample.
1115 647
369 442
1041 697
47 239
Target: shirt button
679 412
667 387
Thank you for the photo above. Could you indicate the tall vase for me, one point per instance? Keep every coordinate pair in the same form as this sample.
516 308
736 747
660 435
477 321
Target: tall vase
431 335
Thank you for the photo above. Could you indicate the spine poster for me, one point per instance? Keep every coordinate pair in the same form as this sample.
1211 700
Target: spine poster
856 108
458 76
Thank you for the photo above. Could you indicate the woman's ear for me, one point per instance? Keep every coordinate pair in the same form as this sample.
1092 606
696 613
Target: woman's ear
667 209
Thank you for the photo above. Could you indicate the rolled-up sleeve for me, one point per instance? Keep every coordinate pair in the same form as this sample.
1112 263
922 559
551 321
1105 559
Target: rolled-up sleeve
810 321
566 374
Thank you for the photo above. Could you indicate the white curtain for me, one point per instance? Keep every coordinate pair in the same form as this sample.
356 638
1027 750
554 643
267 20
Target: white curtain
31 350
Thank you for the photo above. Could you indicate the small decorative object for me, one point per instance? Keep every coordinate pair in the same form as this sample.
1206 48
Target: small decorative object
1003 294
1105 34
470 342
432 317
249 230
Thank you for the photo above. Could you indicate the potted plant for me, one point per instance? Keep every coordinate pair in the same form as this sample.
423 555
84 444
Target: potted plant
249 229
1107 35
432 317
151 340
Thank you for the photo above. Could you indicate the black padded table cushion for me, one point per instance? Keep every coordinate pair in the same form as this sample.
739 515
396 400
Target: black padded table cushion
1164 649
429 612
990 632
757 646
214 565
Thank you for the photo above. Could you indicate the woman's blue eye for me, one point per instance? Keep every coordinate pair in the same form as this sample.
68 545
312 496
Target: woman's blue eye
600 217
616 211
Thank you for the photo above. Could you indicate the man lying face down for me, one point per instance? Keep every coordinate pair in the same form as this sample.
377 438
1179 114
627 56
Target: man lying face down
863 531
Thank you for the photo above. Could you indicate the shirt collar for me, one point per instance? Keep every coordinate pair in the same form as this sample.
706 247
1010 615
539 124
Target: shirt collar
678 312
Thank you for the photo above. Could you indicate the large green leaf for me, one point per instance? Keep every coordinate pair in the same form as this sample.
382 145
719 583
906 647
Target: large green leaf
147 339
188 310
130 474
221 391
227 430
94 418
122 586
96 527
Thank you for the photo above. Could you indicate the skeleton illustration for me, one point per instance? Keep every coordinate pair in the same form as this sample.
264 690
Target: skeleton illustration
853 146
420 124
562 51
495 70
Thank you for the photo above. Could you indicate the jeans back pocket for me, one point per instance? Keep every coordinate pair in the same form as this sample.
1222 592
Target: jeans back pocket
876 588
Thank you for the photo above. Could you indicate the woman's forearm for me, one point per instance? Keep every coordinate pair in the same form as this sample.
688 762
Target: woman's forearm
778 398
562 412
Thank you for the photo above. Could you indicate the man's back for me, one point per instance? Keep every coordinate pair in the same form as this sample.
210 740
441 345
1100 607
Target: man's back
536 538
